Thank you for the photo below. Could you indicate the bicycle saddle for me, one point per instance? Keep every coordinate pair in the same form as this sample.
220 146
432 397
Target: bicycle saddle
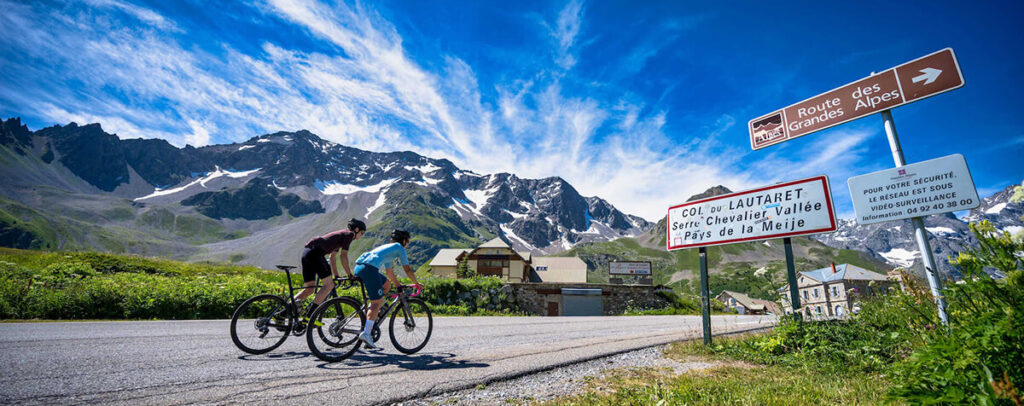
286 267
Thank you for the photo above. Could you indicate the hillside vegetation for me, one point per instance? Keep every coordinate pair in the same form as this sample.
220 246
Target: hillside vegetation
894 350
86 285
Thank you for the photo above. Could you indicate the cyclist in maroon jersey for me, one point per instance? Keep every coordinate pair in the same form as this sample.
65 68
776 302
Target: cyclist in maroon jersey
314 265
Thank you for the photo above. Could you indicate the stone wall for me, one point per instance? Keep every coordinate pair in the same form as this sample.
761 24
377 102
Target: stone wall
533 298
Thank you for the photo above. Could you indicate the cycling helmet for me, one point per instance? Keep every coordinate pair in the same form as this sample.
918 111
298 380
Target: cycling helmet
355 225
400 235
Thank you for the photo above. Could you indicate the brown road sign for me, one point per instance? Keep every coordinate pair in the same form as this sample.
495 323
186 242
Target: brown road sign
909 82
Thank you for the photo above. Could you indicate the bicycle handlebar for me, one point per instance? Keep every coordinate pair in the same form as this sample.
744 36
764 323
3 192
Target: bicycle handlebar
418 289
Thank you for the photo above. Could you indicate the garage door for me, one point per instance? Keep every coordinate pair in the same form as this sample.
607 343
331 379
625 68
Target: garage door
581 302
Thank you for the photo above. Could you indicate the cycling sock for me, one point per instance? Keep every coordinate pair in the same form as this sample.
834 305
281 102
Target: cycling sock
368 328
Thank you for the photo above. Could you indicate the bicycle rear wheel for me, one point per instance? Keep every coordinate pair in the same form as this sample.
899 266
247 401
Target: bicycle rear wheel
261 324
413 327
334 329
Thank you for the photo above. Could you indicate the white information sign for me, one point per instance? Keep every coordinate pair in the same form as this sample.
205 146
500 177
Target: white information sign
629 268
936 186
787 209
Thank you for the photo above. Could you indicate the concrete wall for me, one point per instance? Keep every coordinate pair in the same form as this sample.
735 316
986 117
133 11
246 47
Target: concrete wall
444 271
515 271
534 298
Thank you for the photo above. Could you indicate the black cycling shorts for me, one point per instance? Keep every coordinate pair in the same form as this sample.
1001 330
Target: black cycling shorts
314 265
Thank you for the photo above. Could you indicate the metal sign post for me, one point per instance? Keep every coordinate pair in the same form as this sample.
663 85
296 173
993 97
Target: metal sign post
705 295
794 291
919 231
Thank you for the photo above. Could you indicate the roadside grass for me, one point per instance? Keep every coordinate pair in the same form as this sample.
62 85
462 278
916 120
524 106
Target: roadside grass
734 383
39 285
895 350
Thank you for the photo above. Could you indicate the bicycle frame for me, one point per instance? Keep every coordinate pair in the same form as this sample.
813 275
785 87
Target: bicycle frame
387 306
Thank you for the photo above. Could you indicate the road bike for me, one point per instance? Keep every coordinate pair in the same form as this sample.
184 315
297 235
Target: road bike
337 335
263 322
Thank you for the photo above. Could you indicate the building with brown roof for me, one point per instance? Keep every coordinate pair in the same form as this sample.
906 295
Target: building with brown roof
497 258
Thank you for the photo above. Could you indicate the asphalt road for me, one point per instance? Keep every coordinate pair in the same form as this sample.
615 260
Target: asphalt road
183 362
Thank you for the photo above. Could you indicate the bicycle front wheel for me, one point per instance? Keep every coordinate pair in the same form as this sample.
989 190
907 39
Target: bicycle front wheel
410 327
261 324
334 329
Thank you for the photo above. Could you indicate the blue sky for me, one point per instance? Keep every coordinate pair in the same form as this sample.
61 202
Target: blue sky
641 103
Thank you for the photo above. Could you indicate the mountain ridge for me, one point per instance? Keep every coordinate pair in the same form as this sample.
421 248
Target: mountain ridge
539 215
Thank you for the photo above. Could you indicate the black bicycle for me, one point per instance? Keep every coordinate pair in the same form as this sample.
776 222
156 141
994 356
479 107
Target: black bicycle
410 326
263 322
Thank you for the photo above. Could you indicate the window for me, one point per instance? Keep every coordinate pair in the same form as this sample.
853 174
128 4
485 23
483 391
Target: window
817 309
835 291
805 295
839 310
816 295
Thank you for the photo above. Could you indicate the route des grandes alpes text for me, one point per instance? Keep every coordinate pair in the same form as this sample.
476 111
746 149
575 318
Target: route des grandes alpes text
903 84
787 209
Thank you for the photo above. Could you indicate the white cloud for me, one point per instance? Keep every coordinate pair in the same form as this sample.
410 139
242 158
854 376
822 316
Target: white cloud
373 95
567 28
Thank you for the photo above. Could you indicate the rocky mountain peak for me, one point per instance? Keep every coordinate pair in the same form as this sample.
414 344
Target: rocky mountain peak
711 192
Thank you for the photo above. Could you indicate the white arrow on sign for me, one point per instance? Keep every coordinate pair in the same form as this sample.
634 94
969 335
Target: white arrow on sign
929 75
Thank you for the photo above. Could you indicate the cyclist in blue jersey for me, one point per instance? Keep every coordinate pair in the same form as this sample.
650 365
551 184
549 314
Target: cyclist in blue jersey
368 268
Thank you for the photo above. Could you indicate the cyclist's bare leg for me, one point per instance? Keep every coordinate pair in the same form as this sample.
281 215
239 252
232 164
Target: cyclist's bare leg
374 309
309 286
322 294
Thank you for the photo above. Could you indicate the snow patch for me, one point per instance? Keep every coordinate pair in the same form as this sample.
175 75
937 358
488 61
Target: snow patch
245 147
940 230
512 236
261 140
900 256
378 204
337 188
996 209
201 182
429 167
515 215
479 197
1013 229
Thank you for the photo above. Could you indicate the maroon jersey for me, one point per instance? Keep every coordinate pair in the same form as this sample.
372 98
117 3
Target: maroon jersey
331 242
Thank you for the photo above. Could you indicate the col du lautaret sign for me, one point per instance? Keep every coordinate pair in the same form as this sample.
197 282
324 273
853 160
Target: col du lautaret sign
923 77
935 186
787 209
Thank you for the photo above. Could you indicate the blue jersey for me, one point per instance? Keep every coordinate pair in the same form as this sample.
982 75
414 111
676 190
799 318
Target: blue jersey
384 256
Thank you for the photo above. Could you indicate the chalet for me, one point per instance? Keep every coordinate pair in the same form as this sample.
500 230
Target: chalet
832 292
497 258
744 304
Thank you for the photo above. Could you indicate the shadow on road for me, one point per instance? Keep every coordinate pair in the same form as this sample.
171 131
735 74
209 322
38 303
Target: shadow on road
276 357
417 362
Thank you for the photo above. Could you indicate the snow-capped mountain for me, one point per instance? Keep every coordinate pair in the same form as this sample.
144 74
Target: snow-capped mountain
894 241
301 174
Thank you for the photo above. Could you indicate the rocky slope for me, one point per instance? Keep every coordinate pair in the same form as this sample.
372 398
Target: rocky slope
270 181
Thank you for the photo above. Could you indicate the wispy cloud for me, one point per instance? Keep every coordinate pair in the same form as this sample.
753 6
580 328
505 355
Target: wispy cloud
364 89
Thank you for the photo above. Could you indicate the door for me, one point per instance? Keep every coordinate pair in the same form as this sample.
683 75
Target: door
552 308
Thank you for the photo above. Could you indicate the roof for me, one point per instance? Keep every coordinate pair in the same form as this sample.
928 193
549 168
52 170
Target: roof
772 307
527 256
744 300
844 272
447 257
495 243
